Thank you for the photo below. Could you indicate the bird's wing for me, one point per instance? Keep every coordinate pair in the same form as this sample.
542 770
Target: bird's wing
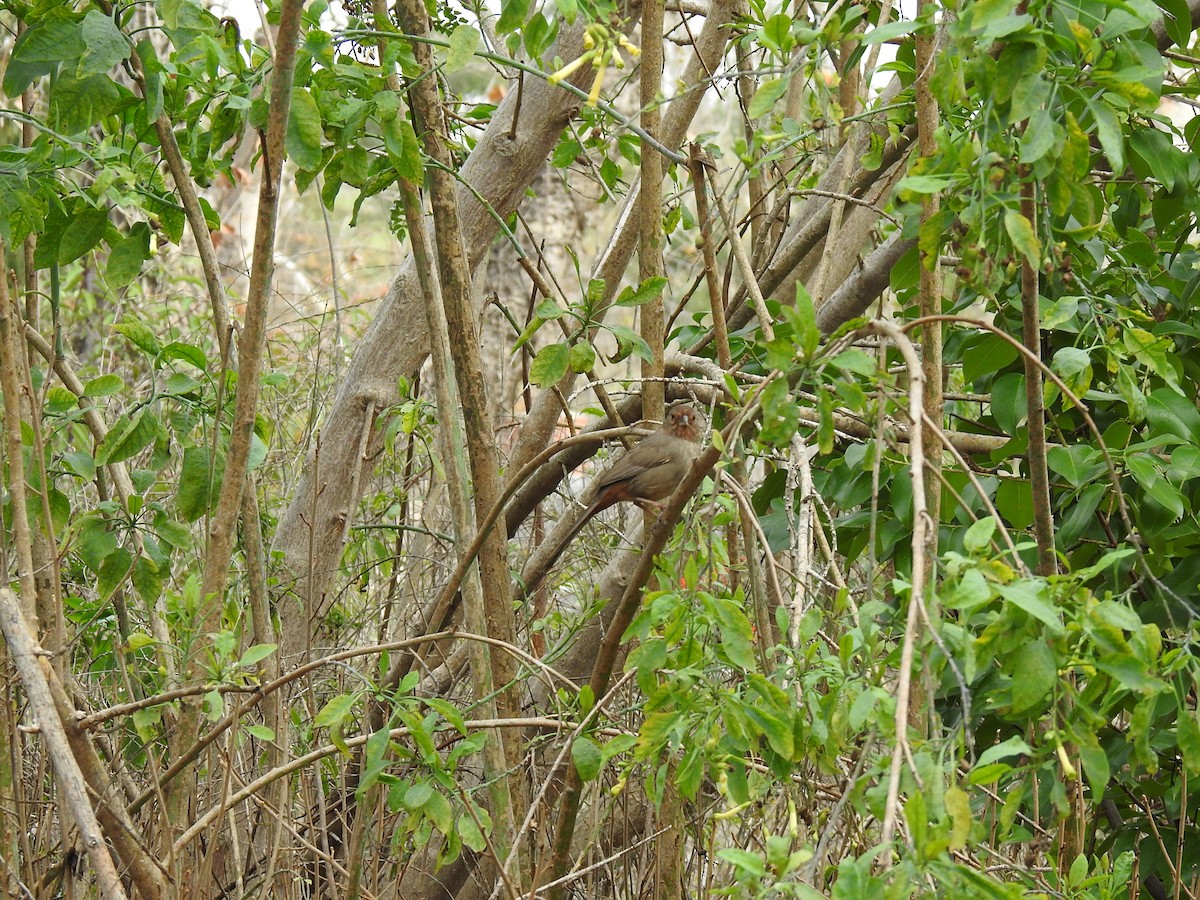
633 464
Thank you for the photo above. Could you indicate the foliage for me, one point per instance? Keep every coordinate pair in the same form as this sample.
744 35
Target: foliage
1053 736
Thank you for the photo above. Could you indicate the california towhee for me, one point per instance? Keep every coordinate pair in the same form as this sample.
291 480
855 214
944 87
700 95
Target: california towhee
647 473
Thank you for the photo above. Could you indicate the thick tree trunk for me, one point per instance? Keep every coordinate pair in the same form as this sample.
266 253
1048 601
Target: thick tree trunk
505 161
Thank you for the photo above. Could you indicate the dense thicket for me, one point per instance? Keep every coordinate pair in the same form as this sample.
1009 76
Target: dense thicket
315 320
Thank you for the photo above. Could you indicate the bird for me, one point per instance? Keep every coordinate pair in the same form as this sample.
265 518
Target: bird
648 473
653 468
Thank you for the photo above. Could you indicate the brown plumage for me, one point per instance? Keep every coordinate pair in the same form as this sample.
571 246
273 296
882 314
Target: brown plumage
652 469
648 473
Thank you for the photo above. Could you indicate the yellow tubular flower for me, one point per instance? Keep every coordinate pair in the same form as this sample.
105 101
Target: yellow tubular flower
597 83
570 67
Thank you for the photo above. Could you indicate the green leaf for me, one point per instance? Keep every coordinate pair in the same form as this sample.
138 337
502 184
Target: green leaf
778 732
144 721
106 45
987 774
1014 500
186 352
1185 463
1095 764
1039 137
649 290
1146 473
690 773
179 385
113 571
1187 734
804 320
548 311
96 541
1171 413
586 756
77 104
1030 596
856 362
155 74
890 31
1162 158
1020 232
81 462
550 365
463 41
1014 746
629 341
213 705
198 488
979 536
1131 673
83 232
777 33
176 534
449 712
1118 614
538 34
127 255
1035 673
148 579
971 591
569 10
1177 19
1108 130
983 12
439 812
582 357
958 805
986 353
780 418
258 452
751 864
404 149
1079 871
139 335
129 436
336 711
1131 393
1129 619
470 834
103 386
872 159
1078 464
1029 96
304 131
513 14
597 289
60 402
657 729
1153 352
925 184
41 49
767 95
256 654
1009 406
736 635
417 796
565 152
